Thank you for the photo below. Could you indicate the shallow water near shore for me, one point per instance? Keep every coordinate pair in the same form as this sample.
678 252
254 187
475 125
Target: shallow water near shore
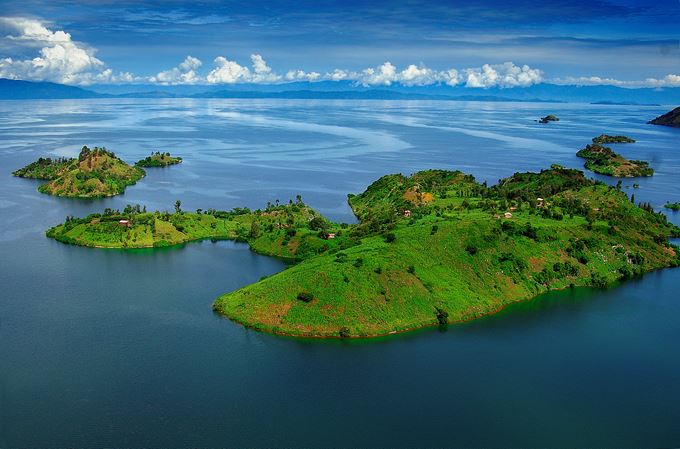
121 348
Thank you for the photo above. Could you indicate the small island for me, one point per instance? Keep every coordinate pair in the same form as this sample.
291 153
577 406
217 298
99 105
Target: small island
95 173
605 161
671 119
606 138
430 249
549 118
158 159
672 206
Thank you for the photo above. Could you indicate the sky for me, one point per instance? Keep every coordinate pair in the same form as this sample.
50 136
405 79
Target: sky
471 43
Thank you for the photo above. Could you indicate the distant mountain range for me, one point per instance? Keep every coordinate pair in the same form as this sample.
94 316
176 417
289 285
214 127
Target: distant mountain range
17 90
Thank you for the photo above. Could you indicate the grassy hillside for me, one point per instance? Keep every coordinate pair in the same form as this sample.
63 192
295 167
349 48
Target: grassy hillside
292 231
465 251
433 248
44 168
605 161
158 159
95 173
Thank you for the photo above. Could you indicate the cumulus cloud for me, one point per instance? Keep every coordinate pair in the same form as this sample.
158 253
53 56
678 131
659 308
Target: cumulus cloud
185 73
301 75
60 58
669 80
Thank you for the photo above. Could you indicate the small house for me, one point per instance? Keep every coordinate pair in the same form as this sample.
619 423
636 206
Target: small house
540 202
125 223
507 215
407 213
331 235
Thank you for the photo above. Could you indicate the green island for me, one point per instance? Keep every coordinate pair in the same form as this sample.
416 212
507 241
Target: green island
95 173
159 159
672 206
549 118
606 138
605 161
430 249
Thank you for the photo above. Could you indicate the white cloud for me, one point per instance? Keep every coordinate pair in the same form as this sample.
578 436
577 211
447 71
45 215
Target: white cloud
228 72
301 75
60 58
502 75
185 73
669 80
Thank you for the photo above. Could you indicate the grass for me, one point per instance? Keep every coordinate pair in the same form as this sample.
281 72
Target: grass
453 258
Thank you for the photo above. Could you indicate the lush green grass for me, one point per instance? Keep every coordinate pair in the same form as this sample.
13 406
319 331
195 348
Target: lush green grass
457 257
158 159
605 161
464 249
286 231
606 138
95 173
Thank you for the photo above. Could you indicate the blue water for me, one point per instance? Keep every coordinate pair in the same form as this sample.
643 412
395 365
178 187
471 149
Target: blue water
113 348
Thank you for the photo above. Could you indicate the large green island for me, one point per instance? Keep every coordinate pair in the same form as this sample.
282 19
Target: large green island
433 248
95 173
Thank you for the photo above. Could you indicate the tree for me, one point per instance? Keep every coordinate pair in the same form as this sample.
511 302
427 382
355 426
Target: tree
254 230
318 223
178 206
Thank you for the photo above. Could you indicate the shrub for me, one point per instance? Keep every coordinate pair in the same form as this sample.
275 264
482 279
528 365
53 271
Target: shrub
471 249
305 296
378 270
390 237
442 317
411 269
344 332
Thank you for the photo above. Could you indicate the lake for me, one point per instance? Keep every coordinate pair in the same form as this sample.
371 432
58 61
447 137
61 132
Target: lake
109 348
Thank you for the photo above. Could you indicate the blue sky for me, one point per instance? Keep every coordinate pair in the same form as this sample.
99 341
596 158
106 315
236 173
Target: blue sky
472 43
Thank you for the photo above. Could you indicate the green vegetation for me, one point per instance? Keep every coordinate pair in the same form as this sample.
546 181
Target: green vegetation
605 161
549 118
95 173
44 168
284 231
606 138
430 249
672 206
158 159
454 256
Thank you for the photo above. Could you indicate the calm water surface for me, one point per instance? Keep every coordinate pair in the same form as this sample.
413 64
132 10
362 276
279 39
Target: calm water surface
112 348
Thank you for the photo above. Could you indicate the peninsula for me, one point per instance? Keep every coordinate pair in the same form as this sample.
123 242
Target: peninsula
671 119
95 173
672 206
158 159
433 248
605 161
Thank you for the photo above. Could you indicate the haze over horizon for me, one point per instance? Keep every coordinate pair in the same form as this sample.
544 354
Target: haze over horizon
463 43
